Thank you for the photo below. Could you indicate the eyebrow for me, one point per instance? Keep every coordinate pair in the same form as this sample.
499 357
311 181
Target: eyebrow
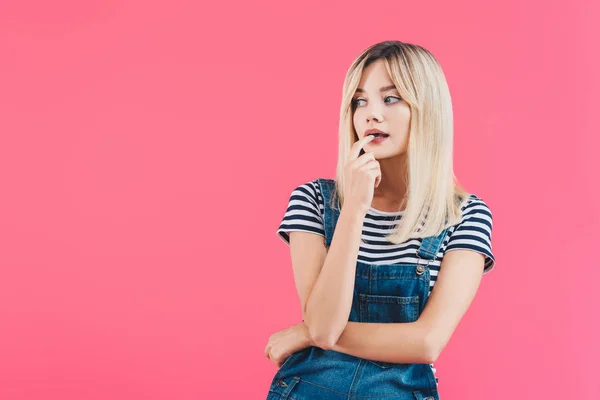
383 89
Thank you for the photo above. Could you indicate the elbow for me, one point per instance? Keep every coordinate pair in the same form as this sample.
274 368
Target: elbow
321 336
432 348
324 340
430 355
323 344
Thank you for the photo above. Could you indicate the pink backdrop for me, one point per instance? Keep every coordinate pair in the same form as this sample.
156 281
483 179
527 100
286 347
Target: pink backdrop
148 149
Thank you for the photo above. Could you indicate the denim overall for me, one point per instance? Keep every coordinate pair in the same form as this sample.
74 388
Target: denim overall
382 294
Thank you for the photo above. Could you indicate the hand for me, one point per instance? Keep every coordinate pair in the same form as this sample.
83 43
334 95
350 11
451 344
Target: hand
290 340
362 174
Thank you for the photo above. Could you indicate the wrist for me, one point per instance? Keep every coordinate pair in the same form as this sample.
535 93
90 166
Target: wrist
308 341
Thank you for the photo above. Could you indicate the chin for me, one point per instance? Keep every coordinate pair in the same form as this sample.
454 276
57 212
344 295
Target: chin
383 154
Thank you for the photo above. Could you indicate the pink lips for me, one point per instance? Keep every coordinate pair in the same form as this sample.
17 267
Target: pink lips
373 130
378 140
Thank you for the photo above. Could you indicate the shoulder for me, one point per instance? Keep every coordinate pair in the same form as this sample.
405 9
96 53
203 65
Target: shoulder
308 194
475 207
309 189
314 187
474 231
304 211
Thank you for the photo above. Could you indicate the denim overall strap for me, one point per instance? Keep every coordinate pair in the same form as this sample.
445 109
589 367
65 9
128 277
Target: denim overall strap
428 250
331 214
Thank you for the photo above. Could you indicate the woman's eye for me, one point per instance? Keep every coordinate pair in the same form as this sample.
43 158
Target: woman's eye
355 101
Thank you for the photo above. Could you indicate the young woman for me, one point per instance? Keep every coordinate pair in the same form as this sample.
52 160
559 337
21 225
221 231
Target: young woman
388 256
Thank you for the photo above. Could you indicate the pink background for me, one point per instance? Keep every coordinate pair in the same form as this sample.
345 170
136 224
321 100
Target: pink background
148 149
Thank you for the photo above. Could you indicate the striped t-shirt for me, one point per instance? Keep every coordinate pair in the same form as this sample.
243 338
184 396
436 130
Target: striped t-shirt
306 209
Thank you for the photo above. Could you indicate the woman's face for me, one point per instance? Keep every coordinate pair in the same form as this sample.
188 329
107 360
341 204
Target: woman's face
377 104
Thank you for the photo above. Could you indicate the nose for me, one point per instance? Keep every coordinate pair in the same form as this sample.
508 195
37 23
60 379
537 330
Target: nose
374 116
374 113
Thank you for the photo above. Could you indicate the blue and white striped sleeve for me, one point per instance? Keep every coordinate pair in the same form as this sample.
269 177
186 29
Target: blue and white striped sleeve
303 212
474 232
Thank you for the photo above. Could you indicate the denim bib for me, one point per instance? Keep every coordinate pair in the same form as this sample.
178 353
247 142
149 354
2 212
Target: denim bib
382 293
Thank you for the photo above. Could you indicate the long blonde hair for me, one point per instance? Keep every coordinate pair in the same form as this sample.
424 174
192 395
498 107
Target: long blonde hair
434 197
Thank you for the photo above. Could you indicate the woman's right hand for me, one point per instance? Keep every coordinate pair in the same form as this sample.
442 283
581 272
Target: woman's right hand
362 175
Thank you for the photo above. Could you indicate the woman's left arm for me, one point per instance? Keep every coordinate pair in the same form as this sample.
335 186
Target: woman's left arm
421 341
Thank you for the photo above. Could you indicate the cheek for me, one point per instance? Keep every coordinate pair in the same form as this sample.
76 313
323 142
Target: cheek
401 122
357 118
355 124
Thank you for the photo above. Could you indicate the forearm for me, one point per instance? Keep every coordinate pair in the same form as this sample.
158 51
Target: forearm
387 342
329 303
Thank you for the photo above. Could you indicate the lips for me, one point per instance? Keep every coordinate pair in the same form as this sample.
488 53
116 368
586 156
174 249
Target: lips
376 133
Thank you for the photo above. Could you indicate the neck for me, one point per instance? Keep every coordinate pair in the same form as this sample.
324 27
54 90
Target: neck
393 186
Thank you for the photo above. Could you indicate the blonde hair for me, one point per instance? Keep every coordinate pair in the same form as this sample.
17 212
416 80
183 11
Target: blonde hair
434 197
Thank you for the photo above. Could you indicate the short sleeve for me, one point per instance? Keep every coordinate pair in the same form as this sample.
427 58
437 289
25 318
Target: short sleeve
303 212
474 232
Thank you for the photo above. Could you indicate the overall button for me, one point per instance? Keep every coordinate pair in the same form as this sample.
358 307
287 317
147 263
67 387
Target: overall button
429 398
281 383
420 269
